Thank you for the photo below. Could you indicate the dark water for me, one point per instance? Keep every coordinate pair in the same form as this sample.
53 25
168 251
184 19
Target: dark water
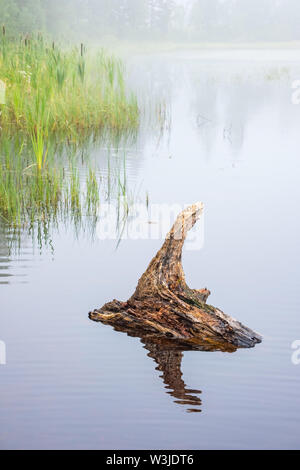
232 141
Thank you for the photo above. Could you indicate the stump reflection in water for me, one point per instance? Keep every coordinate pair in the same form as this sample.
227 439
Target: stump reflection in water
168 354
170 317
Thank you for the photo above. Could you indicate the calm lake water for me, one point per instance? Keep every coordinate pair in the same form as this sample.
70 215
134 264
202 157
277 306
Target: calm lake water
231 139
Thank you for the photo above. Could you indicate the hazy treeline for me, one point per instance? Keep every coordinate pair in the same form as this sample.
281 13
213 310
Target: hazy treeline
179 20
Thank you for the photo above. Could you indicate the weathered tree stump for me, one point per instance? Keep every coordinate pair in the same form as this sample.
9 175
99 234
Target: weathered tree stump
163 303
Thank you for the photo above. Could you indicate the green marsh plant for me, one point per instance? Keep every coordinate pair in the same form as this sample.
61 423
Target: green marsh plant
66 91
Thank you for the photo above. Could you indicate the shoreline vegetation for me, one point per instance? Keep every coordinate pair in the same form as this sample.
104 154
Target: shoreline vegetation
30 194
57 101
51 90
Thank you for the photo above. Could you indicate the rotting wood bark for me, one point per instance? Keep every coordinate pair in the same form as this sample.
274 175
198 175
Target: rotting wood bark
164 304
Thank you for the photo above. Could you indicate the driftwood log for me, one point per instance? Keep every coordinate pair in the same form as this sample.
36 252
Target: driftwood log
164 305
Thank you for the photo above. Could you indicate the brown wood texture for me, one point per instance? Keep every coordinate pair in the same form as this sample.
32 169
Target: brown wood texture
164 305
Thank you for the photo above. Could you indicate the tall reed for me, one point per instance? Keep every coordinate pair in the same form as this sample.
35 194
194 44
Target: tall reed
51 89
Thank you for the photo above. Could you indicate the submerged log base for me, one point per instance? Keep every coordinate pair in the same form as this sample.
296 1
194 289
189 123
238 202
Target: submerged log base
163 303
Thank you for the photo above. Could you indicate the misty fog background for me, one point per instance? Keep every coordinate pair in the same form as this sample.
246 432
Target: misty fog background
172 20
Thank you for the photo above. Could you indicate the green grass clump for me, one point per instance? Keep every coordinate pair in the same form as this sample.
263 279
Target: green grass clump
30 194
68 92
55 98
57 103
